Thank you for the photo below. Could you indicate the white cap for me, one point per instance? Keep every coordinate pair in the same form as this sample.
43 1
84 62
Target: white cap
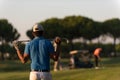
37 27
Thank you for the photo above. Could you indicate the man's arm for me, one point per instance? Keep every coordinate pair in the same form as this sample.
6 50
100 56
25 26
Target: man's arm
54 56
23 58
99 57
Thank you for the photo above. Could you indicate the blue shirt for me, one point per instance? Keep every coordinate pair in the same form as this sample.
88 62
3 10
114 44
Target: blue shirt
39 50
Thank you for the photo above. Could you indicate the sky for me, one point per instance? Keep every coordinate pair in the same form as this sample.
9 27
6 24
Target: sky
23 14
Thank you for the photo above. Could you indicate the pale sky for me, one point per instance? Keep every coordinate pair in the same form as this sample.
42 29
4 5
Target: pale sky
23 14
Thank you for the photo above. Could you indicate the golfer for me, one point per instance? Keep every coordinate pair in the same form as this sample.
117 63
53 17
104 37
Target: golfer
39 50
97 57
57 49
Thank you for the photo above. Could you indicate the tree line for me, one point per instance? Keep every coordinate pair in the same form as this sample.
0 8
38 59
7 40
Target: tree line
70 27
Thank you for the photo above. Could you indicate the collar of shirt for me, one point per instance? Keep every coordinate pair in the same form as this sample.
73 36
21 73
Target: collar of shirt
41 37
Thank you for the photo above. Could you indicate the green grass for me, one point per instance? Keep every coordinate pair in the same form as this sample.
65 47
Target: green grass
14 70
88 74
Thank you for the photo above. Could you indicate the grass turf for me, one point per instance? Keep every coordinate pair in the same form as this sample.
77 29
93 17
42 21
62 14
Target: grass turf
14 70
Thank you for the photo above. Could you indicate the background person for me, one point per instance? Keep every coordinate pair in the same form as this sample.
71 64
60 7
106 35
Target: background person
39 50
80 59
97 52
57 49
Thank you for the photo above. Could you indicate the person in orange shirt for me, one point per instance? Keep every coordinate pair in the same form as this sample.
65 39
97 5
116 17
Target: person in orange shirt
97 56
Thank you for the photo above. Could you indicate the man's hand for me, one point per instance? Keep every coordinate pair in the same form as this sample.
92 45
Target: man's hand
15 43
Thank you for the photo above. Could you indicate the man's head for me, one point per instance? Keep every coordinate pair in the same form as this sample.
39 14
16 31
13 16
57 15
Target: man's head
58 40
38 30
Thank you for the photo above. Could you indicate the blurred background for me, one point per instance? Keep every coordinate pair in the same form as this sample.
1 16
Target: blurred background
84 24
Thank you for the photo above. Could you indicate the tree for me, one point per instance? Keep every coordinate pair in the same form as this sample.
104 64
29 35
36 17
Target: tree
52 28
113 29
90 29
7 33
78 26
70 27
29 34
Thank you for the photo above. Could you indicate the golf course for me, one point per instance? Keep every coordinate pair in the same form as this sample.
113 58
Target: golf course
109 70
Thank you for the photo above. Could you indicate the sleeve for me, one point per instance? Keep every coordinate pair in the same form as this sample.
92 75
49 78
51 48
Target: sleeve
50 48
27 48
55 46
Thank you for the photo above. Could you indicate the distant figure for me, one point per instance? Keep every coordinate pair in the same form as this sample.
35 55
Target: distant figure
97 56
57 49
84 62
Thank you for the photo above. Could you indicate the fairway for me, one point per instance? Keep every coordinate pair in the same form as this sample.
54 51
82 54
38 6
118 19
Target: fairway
110 70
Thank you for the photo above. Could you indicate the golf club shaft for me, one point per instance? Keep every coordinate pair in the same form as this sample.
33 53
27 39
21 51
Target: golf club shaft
23 41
